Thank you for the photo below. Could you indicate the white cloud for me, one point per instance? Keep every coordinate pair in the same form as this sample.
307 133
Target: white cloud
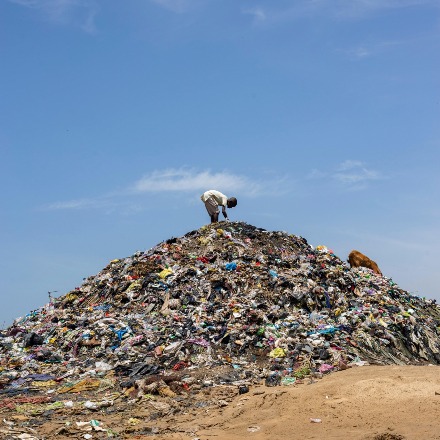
79 204
80 13
360 52
352 174
180 180
348 165
107 204
371 49
356 176
257 13
316 174
183 180
88 24
338 9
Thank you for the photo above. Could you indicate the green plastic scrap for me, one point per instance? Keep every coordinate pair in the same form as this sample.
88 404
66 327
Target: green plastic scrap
55 405
288 381
302 372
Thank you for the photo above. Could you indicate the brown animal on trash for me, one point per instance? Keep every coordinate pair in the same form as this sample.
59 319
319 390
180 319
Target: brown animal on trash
357 259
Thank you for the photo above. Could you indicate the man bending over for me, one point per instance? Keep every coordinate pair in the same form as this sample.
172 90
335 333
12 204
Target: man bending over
213 199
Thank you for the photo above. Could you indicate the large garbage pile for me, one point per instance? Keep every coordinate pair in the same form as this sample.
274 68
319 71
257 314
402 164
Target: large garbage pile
229 303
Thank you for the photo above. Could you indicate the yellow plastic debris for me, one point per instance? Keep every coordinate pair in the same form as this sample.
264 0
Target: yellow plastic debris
135 285
165 273
43 384
277 353
83 385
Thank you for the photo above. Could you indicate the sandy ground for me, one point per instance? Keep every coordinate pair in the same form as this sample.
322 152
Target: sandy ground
369 403
380 403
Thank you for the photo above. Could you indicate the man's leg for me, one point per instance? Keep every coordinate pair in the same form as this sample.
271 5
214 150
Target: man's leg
214 218
212 208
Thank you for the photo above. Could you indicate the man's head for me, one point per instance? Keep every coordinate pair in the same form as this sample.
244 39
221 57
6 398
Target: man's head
232 201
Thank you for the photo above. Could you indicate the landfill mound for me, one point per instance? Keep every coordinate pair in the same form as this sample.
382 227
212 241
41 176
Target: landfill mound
226 304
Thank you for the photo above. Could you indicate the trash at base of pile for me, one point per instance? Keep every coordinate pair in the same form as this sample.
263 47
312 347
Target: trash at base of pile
260 304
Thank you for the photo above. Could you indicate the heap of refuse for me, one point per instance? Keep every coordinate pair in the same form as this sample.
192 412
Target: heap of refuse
228 303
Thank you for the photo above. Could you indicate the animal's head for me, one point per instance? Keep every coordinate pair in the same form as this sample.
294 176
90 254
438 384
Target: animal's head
375 268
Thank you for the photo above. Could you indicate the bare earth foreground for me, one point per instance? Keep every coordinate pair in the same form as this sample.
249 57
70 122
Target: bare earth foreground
390 402
372 402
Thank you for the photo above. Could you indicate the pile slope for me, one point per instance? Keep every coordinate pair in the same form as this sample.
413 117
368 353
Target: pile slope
228 303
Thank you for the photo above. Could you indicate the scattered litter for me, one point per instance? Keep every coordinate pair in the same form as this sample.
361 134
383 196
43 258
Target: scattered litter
253 428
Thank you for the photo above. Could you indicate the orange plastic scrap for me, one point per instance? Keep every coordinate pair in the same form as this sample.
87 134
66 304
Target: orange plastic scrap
83 385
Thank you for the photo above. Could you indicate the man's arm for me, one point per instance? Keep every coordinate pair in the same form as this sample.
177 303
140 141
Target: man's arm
224 212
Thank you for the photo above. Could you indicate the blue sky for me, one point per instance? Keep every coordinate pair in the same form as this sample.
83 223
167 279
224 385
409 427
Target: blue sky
320 116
